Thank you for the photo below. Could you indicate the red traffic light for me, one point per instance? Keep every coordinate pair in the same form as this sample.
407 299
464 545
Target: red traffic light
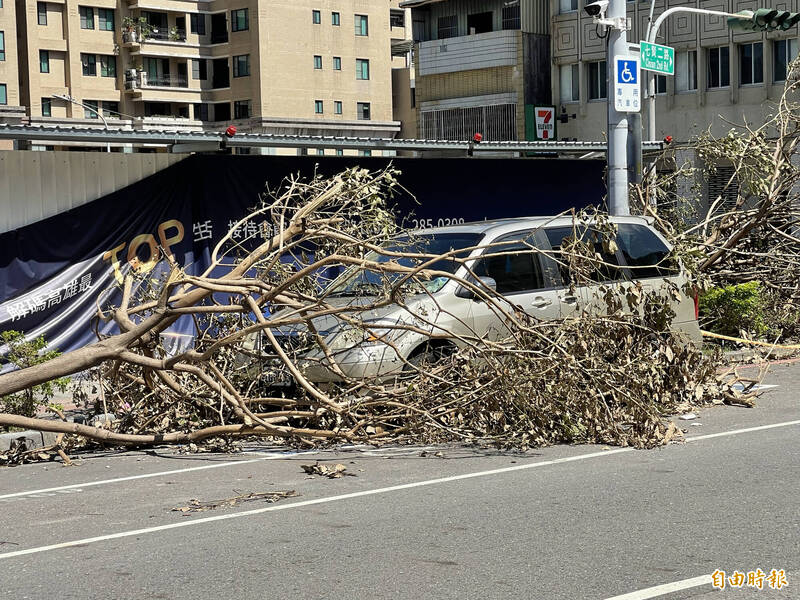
478 138
668 139
230 131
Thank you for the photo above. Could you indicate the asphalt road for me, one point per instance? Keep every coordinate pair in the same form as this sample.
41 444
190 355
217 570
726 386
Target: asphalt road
557 523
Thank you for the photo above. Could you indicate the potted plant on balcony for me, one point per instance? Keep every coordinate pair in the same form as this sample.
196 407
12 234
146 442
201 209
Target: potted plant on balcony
174 34
135 29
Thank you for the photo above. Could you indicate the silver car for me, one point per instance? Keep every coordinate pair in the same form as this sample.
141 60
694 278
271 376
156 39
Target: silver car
446 314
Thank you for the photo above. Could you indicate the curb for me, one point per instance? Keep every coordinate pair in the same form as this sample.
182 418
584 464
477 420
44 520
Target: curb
32 439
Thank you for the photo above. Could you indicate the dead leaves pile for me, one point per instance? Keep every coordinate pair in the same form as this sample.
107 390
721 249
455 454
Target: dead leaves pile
334 471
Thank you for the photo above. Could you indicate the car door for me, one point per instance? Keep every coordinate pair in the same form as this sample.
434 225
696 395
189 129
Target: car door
514 263
589 293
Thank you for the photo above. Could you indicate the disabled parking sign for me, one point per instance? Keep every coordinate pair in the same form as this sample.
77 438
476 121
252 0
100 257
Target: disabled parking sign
627 91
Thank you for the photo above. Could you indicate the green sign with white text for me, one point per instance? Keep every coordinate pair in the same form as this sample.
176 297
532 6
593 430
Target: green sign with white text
660 59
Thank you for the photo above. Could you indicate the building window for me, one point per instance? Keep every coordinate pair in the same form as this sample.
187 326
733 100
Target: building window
241 109
661 84
201 112
89 64
569 83
241 65
511 18
686 71
567 6
108 66
111 109
41 11
87 17
447 27
337 107
200 69
336 19
320 152
197 24
397 17
2 45
105 19
90 108
318 107
317 61
783 53
47 107
751 63
363 111
339 152
44 61
337 63
362 25
597 80
719 73
3 94
240 21
365 152
316 17
362 68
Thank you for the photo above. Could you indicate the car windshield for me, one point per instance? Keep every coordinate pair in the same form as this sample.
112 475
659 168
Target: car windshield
360 282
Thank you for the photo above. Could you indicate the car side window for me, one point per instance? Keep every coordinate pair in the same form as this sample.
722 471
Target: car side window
515 267
609 270
644 253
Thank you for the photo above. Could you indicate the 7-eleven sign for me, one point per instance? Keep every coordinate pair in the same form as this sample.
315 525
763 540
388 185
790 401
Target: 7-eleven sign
545 122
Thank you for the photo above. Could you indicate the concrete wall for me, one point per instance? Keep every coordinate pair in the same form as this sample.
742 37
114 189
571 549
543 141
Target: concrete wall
37 185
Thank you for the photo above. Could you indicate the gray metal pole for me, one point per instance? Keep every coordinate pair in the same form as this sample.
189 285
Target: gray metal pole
617 176
635 148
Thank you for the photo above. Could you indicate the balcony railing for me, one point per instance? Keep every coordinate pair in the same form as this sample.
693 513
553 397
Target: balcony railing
167 35
165 81
219 37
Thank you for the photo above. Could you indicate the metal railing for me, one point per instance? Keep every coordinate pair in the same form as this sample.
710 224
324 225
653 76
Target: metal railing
163 35
165 81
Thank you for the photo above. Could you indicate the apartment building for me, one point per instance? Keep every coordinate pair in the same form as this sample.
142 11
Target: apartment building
306 67
10 103
721 76
481 66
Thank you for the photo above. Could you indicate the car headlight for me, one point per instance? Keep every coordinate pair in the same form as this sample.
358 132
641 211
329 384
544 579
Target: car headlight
351 337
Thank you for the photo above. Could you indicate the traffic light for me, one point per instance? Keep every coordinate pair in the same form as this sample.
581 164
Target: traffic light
763 19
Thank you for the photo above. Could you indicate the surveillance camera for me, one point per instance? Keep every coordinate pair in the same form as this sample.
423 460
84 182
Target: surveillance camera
596 9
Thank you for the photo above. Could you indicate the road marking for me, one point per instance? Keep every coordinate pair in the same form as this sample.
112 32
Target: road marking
267 456
363 493
278 507
738 431
40 495
667 588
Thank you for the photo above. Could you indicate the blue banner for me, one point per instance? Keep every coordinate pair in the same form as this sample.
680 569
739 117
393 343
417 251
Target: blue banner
55 273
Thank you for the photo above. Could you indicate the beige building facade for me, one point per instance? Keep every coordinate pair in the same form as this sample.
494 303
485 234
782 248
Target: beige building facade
298 67
721 76
11 109
481 65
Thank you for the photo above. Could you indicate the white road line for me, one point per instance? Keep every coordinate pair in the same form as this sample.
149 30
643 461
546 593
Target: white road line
695 438
667 588
158 474
274 508
384 490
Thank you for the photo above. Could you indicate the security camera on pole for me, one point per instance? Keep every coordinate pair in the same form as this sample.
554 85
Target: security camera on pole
623 81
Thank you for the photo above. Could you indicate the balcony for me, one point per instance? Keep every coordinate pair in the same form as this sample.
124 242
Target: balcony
139 80
163 35
479 51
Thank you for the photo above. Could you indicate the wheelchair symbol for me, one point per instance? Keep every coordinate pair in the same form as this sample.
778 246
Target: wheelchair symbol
626 72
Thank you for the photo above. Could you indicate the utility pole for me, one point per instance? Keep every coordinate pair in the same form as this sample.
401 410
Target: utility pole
617 121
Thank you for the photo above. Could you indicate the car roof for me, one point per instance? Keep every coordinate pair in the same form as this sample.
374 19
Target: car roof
501 226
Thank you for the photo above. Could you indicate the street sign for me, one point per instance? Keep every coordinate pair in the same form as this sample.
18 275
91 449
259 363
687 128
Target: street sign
545 122
655 57
626 84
